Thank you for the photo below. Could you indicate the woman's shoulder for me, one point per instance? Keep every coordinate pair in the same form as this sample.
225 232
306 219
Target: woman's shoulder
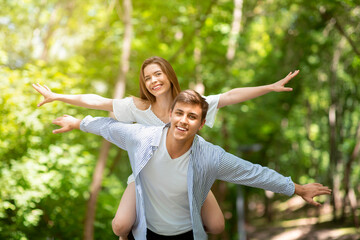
141 104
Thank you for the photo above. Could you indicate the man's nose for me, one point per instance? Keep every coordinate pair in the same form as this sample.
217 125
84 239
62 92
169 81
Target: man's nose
184 119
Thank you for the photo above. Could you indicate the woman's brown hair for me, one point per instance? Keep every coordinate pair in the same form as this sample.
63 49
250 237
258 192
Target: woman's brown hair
167 70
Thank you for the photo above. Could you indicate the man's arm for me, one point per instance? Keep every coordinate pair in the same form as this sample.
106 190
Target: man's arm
92 101
113 131
239 171
238 95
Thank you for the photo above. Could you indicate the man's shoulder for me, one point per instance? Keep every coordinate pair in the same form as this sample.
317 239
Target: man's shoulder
206 147
144 129
207 156
140 131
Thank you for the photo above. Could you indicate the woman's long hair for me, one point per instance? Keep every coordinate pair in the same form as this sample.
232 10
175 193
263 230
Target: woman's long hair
167 69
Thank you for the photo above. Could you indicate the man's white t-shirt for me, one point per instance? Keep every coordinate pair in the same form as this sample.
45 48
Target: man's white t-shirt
164 182
126 111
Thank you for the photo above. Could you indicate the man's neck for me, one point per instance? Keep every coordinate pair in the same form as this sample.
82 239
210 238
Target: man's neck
175 147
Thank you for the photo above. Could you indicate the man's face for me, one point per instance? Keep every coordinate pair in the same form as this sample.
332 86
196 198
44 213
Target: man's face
185 121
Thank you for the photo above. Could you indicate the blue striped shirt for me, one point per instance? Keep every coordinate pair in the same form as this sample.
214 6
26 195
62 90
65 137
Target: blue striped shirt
207 163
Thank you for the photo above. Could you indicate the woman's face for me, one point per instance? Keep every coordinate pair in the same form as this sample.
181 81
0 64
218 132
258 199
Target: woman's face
156 81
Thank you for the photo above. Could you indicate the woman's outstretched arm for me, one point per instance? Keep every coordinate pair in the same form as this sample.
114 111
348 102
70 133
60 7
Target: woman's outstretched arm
238 95
92 101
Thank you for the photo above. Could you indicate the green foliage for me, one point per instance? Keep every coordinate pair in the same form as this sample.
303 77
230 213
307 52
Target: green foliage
75 47
45 178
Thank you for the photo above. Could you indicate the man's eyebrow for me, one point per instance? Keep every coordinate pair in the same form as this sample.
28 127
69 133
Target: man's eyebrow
192 113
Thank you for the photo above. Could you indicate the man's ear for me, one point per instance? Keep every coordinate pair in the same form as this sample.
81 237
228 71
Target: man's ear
170 113
202 124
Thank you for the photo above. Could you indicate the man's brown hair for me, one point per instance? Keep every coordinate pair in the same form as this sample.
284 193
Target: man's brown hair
194 98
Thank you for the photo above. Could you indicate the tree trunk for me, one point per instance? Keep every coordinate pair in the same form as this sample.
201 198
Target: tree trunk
94 191
220 188
335 159
327 16
346 181
354 206
235 29
230 55
50 32
104 151
198 85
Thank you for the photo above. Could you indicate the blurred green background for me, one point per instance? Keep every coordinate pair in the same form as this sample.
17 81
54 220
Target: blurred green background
77 47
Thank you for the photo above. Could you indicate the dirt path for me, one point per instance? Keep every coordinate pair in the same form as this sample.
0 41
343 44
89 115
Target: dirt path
323 231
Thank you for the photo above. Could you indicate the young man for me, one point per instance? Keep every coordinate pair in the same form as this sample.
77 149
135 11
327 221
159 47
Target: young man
174 168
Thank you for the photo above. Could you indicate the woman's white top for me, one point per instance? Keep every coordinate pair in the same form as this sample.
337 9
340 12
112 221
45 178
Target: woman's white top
126 111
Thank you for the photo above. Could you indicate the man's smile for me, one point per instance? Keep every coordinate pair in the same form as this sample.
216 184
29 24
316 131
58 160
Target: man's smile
182 129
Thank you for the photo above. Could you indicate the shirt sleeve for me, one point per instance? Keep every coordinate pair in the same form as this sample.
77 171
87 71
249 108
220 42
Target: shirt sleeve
122 110
115 132
213 101
239 171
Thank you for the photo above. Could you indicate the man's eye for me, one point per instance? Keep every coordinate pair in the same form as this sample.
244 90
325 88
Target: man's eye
192 117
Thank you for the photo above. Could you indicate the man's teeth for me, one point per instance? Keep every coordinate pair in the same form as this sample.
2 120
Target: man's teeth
182 129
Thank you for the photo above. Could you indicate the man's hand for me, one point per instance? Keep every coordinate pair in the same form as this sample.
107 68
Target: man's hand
48 95
279 86
311 190
67 123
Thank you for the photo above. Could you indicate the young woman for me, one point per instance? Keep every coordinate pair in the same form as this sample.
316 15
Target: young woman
158 88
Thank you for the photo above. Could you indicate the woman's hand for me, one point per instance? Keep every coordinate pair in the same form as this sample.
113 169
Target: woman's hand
48 95
279 86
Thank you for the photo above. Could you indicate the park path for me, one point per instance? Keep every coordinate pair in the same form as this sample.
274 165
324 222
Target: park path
323 231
